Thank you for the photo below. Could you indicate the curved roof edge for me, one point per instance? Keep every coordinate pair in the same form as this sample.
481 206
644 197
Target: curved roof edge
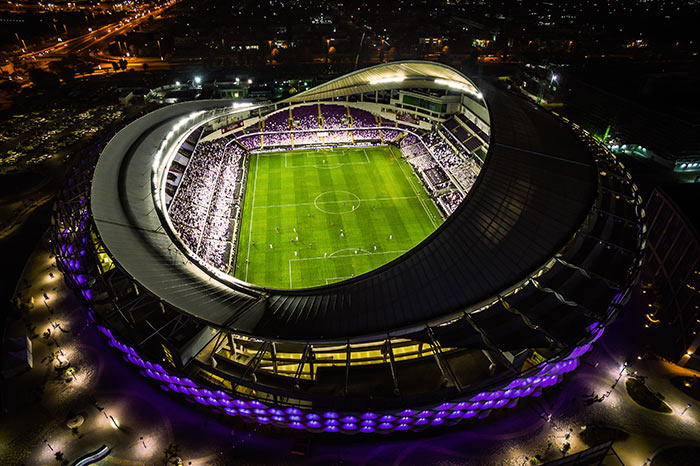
392 75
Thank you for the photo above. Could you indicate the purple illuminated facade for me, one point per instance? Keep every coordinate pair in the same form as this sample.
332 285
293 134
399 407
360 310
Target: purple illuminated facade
417 419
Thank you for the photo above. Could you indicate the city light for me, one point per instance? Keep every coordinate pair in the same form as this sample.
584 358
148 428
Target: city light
197 80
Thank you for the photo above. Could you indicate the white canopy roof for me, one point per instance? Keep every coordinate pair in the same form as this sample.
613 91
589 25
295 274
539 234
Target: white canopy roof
394 75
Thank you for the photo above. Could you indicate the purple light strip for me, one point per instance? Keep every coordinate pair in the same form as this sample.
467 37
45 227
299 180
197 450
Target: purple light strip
447 413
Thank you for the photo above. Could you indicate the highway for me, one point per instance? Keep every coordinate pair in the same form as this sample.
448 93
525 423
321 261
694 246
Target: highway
94 43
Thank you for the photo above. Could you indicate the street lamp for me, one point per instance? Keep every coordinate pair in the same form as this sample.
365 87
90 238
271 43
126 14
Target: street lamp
622 370
686 409
197 80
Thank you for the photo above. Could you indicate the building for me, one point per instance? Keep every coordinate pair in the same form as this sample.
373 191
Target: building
496 305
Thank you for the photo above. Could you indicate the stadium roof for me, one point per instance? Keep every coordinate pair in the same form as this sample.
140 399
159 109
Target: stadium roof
533 194
394 75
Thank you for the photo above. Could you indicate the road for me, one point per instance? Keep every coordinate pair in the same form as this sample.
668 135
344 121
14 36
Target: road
94 42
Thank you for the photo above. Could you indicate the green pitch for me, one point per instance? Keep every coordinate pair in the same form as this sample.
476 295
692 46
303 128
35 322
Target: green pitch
329 215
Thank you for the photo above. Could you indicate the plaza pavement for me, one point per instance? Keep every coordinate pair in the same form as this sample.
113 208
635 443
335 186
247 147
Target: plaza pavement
41 400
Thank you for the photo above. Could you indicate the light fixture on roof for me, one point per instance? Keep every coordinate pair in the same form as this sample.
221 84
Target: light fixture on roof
388 79
459 86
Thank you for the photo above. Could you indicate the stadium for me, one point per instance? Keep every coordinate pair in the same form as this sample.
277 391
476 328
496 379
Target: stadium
391 250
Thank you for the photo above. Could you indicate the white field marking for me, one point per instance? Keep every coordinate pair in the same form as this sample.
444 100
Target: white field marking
333 256
420 199
305 153
336 279
349 249
364 253
250 230
352 209
378 199
332 153
329 166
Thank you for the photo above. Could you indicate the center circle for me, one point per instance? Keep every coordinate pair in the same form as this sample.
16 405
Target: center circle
337 202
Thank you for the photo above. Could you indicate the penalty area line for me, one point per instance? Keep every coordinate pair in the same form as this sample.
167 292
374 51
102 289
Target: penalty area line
347 255
301 204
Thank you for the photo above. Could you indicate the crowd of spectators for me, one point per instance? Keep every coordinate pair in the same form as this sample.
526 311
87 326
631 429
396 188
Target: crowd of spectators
459 165
412 147
390 135
445 167
436 178
450 201
305 117
205 209
335 117
318 124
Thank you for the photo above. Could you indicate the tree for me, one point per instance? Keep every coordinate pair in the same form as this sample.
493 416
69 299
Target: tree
65 68
43 79
123 63
171 452
84 67
11 87
55 66
66 73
